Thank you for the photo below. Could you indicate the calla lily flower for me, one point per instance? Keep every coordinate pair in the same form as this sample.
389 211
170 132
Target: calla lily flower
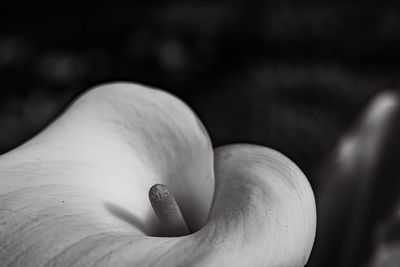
77 193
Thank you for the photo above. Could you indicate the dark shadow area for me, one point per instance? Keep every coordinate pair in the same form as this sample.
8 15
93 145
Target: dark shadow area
126 216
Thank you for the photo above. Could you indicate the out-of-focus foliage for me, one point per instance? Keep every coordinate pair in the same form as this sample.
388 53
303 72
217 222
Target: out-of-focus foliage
358 190
286 74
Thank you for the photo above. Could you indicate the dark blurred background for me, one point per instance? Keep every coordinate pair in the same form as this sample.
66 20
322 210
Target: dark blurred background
287 74
292 75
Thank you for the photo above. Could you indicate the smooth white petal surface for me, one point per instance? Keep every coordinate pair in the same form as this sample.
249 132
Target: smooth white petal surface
76 194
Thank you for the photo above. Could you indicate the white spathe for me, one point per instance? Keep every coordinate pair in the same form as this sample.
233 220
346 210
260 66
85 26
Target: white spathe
77 193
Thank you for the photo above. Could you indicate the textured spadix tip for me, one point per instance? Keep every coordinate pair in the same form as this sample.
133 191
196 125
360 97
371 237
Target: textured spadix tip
167 211
158 192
